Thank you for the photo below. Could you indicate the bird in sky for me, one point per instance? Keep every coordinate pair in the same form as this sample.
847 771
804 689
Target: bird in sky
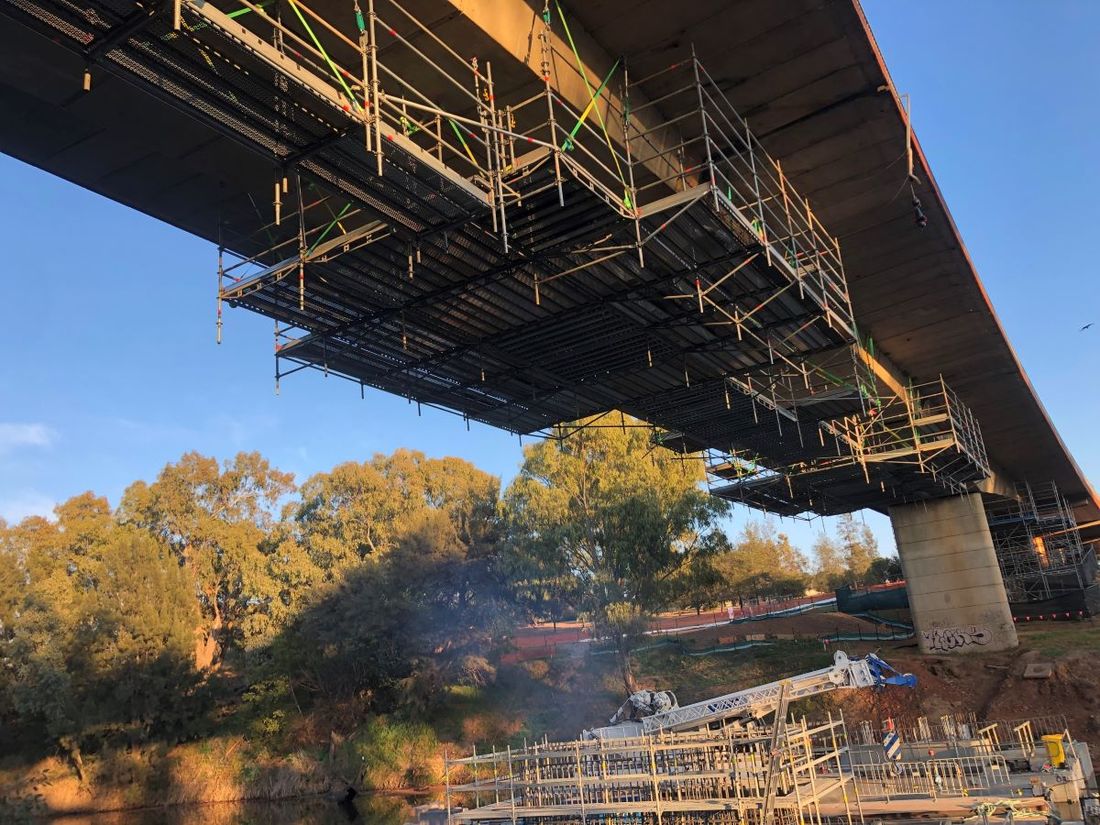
1086 326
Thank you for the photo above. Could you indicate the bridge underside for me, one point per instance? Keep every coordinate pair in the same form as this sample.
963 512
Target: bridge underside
468 235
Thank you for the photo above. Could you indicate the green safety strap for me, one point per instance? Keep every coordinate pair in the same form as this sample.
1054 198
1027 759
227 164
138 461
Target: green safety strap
328 228
588 109
233 15
324 54
588 86
462 140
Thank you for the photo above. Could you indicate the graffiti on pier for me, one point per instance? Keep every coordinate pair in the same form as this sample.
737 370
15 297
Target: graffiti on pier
947 639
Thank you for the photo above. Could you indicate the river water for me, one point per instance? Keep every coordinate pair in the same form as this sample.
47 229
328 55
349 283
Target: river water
376 810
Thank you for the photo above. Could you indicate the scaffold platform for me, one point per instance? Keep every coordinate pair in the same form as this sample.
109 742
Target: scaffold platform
524 262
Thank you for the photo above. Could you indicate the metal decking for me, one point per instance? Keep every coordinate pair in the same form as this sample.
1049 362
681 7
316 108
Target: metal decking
524 263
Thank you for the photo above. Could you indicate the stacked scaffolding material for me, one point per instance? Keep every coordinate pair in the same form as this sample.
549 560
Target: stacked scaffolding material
528 262
1038 546
793 771
726 776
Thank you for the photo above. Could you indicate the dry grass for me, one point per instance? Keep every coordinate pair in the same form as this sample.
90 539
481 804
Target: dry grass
215 770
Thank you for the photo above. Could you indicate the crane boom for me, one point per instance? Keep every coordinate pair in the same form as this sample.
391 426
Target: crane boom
756 702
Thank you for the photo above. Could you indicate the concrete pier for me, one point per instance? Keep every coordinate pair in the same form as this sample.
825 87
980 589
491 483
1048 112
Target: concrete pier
956 593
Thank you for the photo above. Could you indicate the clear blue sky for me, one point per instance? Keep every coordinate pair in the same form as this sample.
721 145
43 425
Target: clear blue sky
114 371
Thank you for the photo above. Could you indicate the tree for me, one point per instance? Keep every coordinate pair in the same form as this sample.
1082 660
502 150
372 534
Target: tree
358 510
400 628
111 622
218 521
829 568
141 614
762 562
41 614
625 625
884 569
453 603
349 514
700 584
859 545
606 520
97 622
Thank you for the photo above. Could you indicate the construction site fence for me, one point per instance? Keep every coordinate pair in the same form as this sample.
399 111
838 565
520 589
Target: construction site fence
881 633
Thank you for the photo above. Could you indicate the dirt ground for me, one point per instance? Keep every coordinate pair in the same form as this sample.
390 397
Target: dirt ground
992 685
580 689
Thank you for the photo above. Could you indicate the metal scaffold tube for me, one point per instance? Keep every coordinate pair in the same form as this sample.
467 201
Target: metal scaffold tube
659 264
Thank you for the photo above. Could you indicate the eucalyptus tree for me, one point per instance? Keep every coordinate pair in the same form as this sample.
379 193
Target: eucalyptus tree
605 520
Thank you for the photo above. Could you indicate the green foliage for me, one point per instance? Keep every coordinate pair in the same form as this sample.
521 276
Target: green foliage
219 594
385 754
851 557
99 621
264 705
399 629
701 582
605 518
859 545
762 562
218 522
829 570
358 510
625 624
883 569
115 626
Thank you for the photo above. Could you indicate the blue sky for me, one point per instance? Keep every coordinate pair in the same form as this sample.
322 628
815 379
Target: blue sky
115 371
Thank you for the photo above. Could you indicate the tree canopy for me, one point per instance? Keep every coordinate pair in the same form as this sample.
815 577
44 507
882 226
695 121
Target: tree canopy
217 521
98 620
762 562
376 585
602 522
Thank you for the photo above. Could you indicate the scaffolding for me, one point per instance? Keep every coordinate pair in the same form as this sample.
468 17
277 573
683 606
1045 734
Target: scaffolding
962 734
794 775
790 771
525 261
920 442
1038 545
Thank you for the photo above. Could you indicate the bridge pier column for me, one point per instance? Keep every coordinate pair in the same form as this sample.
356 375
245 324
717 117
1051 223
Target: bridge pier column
956 593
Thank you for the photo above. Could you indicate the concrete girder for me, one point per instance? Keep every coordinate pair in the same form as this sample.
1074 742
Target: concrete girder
515 26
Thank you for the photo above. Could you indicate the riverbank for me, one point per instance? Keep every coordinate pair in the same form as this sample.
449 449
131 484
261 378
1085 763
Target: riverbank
275 751
380 755
377 809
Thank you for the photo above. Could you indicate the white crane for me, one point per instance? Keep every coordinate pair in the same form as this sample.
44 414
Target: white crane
648 712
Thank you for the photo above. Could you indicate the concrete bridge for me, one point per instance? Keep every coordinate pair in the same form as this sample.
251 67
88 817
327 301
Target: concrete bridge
530 214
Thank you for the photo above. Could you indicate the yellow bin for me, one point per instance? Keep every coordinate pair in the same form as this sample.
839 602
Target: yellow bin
1055 751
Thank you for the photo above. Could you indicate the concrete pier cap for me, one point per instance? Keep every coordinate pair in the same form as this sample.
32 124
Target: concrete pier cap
956 593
